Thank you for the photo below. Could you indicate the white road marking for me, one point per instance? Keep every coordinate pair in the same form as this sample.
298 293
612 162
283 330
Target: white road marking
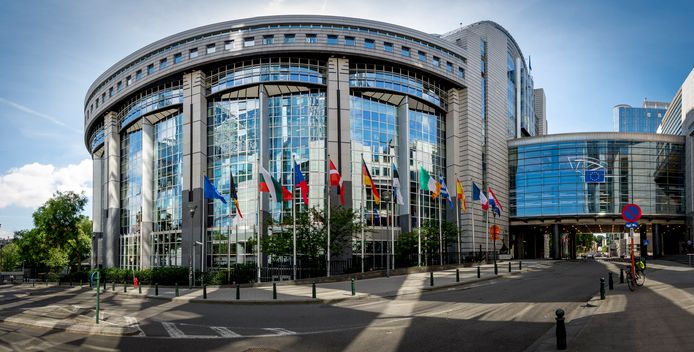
224 331
280 331
132 321
172 330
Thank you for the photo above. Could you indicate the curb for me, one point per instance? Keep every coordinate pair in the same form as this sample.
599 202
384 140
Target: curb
73 328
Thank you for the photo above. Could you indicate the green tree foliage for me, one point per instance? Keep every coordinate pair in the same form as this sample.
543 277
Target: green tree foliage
60 222
9 257
584 242
32 247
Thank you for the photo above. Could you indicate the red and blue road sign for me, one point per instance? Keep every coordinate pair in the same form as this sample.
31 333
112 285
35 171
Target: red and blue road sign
631 213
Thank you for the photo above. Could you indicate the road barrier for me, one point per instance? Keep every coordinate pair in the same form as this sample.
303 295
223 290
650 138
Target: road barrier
602 288
610 282
509 267
561 329
156 289
176 285
431 278
520 265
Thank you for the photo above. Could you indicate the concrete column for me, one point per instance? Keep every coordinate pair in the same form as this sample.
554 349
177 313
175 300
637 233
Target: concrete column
97 206
264 214
518 97
556 243
657 241
147 193
339 143
194 163
453 165
111 242
403 130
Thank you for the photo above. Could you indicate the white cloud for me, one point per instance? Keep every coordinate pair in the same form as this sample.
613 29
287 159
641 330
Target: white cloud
33 184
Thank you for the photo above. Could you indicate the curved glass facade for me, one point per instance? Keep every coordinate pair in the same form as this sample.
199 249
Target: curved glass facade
399 80
428 150
130 198
267 70
159 98
548 179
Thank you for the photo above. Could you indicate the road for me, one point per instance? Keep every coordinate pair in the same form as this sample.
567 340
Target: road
506 314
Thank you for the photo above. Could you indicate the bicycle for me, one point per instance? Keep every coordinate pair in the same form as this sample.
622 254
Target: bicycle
637 277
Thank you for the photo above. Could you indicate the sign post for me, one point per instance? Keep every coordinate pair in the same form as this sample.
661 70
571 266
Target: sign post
631 213
97 296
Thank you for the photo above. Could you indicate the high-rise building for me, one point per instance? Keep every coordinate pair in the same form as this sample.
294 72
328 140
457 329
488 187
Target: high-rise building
540 111
645 119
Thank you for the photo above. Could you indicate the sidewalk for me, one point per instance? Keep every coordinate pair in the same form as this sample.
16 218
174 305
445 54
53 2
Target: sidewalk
81 320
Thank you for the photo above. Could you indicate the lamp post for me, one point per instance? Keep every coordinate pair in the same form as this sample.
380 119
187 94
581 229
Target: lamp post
191 271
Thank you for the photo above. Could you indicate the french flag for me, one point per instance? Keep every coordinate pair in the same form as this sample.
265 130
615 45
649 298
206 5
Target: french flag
478 195
300 181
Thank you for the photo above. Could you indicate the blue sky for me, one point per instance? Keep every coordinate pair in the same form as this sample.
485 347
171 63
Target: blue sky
587 55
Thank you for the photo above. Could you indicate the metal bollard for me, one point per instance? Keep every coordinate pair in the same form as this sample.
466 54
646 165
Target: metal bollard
156 289
457 275
125 286
602 288
621 276
354 291
104 285
238 292
176 285
33 283
313 290
509 267
274 290
113 285
520 265
431 278
478 272
496 269
204 291
561 329
139 289
610 282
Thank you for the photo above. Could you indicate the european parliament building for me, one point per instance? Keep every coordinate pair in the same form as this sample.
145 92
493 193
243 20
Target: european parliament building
228 98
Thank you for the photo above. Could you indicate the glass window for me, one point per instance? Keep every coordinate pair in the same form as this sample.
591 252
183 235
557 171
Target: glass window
119 86
178 58
311 38
211 48
163 63
350 41
249 41
332 39
449 67
388 47
150 69
228 45
405 51
128 81
422 56
103 98
110 92
138 75
268 39
436 61
369 43
289 38
193 53
461 72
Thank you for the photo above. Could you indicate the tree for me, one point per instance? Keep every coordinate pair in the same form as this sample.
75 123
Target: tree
32 247
9 257
61 224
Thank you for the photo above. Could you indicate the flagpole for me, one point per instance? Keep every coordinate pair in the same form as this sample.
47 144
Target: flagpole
440 234
257 218
294 220
363 220
419 220
457 217
327 255
229 238
486 240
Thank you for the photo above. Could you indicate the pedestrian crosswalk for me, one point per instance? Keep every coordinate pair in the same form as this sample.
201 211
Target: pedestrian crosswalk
191 331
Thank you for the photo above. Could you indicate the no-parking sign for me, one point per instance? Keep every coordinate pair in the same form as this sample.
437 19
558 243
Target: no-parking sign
631 213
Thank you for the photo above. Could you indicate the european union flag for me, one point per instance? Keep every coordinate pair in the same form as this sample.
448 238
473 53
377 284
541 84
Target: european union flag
595 176
210 191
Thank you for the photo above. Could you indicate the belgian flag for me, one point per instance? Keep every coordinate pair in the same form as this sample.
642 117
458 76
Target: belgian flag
368 181
233 194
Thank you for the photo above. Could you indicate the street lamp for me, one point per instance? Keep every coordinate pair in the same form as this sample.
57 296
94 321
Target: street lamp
191 271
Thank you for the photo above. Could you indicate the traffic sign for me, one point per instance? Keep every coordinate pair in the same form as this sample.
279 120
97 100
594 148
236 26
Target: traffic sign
494 232
632 225
645 242
631 213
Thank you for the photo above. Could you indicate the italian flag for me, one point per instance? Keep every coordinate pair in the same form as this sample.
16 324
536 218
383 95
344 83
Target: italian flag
270 185
428 183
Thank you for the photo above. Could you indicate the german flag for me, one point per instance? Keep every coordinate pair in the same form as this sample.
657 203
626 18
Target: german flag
368 181
233 194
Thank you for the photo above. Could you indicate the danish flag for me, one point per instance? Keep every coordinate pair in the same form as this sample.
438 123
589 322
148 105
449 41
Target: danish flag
336 180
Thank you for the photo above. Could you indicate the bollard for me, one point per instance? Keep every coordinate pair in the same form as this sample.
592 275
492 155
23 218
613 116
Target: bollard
520 265
32 283
274 290
313 290
70 283
610 282
496 269
113 285
238 292
176 285
602 288
457 275
431 278
125 286
156 289
478 271
139 289
561 330
204 291
621 276
104 285
509 267
354 291
80 283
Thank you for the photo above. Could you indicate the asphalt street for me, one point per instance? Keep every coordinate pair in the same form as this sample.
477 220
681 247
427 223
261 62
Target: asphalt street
502 314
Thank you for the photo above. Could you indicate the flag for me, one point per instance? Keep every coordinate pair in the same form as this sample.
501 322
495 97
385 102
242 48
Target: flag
396 187
494 202
270 185
478 195
300 181
211 192
233 194
444 191
336 180
461 194
368 181
428 183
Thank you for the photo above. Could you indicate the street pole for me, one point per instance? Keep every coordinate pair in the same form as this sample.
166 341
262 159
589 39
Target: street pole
457 221
419 222
327 252
294 221
633 270
440 234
